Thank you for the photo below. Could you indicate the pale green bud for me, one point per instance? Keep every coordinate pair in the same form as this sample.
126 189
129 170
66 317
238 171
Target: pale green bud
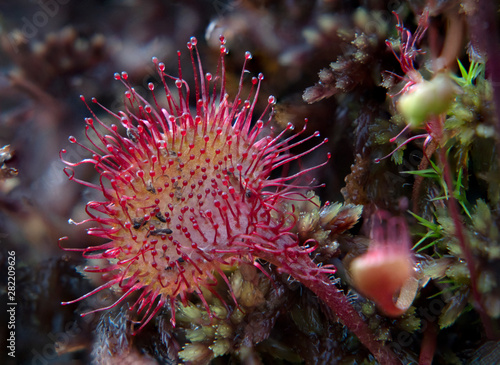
426 99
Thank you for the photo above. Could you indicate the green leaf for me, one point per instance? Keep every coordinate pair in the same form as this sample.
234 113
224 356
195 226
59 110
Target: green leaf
463 71
424 173
397 156
425 222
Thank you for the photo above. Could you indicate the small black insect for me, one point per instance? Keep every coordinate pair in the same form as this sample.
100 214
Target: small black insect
151 188
160 217
159 232
138 222
133 134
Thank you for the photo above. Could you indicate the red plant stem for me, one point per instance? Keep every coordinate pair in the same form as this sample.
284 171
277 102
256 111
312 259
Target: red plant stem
428 347
338 303
464 244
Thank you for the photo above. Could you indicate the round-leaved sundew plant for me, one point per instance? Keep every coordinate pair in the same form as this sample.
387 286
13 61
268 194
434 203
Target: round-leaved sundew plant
189 190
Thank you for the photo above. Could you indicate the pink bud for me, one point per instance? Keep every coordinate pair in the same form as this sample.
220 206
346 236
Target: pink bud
386 272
